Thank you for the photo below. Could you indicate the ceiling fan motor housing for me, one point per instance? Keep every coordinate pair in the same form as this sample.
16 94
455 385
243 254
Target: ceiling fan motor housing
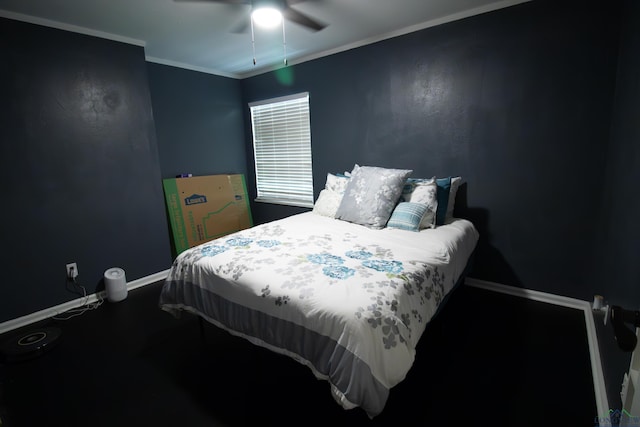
275 4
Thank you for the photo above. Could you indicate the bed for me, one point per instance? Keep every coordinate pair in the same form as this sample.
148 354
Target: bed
346 289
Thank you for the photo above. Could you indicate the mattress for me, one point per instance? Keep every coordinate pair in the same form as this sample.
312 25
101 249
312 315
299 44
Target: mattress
345 300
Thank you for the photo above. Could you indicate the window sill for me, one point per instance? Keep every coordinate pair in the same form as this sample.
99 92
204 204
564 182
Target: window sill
298 203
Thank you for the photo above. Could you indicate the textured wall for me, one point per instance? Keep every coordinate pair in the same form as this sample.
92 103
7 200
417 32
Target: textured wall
618 244
620 250
79 165
199 122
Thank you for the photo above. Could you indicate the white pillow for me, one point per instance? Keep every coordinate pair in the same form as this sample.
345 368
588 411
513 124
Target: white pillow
327 203
423 191
336 183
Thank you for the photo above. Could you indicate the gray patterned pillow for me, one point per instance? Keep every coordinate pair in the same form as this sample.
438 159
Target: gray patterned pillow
371 195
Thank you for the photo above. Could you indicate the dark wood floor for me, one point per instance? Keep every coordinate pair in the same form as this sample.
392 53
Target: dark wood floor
488 359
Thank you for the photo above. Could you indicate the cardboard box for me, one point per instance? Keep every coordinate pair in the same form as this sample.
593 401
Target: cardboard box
202 208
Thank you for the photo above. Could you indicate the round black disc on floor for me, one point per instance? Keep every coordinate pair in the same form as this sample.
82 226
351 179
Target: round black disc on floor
30 344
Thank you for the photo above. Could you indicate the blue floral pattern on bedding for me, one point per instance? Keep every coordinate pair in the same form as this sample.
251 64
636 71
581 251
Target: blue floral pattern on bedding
394 267
361 261
359 254
239 241
213 250
338 272
268 243
325 258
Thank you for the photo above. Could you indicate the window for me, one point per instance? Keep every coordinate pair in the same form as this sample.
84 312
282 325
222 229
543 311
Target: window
282 150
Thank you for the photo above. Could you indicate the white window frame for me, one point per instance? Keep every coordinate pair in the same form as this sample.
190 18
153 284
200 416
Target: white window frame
281 132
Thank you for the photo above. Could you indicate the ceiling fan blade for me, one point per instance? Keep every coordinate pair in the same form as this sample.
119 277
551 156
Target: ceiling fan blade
302 19
241 26
290 2
215 1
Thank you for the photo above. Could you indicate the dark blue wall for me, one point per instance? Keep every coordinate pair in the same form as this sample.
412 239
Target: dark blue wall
518 102
618 244
78 163
199 122
620 251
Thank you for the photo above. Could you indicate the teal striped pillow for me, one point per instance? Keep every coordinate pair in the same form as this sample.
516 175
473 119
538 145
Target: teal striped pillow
407 216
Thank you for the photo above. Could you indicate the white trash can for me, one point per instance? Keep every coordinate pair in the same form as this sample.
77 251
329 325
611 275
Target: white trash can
115 283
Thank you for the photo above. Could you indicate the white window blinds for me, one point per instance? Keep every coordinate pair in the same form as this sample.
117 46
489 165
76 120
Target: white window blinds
282 150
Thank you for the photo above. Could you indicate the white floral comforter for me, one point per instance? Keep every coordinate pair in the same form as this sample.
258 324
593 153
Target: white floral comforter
347 301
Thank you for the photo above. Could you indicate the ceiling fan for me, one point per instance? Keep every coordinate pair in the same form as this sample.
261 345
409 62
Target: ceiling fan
282 6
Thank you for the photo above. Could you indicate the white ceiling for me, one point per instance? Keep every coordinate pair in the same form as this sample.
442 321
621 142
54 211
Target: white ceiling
198 35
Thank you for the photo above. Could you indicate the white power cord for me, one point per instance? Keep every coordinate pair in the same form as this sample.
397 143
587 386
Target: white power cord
86 306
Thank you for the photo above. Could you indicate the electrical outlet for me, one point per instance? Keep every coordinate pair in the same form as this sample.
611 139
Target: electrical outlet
72 271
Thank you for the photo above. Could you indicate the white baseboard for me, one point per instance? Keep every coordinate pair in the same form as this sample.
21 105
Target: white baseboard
19 322
602 402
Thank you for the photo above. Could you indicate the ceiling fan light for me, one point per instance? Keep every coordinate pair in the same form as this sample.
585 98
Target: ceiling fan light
267 17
